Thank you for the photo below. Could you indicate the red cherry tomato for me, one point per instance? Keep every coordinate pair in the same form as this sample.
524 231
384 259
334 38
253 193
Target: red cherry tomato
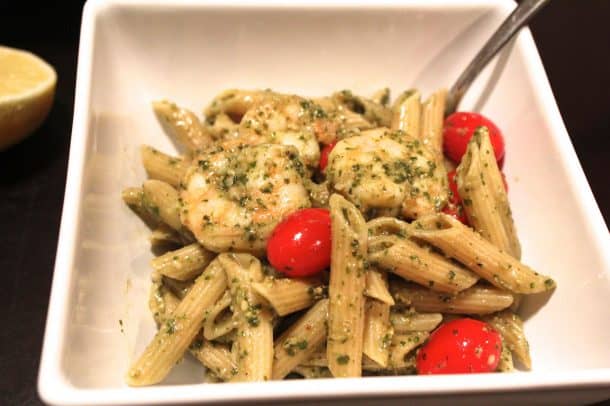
458 130
300 245
460 346
457 211
324 155
455 196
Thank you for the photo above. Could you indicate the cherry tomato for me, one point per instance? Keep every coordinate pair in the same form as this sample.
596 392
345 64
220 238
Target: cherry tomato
455 196
457 211
460 346
458 130
300 245
324 155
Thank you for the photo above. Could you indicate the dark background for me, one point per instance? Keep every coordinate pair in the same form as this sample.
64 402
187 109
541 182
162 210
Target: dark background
573 38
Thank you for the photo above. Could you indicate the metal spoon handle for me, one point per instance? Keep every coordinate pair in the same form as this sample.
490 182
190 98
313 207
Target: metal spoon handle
517 19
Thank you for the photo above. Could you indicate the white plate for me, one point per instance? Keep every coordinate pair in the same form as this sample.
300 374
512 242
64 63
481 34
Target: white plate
134 52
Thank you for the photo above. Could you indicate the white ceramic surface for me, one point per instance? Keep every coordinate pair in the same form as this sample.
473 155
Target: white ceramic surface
138 51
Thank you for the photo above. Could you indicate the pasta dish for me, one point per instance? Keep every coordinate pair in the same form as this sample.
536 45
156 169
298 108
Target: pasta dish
339 236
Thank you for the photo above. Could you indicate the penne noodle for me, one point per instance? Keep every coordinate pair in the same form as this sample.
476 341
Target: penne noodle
216 358
406 114
474 300
353 120
312 372
484 199
510 327
375 113
381 96
418 264
301 340
179 330
234 103
346 288
178 288
184 263
388 226
212 326
162 200
161 302
405 322
482 257
181 125
376 286
506 360
377 331
164 234
253 345
432 117
289 295
133 197
163 167
405 366
403 344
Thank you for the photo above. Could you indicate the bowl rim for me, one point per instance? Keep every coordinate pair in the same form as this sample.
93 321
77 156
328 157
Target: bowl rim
54 386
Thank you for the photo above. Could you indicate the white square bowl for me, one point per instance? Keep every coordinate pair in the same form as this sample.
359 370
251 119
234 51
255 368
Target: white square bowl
138 51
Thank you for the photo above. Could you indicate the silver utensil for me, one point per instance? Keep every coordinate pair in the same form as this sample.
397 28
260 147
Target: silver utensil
513 23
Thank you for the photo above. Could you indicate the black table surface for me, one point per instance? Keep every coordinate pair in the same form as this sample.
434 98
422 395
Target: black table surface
573 39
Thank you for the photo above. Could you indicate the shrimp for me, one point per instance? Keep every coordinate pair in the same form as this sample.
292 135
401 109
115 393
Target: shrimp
233 199
269 117
383 173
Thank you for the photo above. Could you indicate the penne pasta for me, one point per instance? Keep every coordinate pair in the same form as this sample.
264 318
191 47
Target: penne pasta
184 263
402 346
346 288
510 327
301 340
181 125
418 264
506 360
253 345
219 319
133 197
162 200
474 300
406 114
178 288
405 322
161 302
377 331
432 117
402 366
234 103
374 113
289 295
216 358
484 199
388 226
312 372
179 330
482 257
163 167
381 96
376 286
164 234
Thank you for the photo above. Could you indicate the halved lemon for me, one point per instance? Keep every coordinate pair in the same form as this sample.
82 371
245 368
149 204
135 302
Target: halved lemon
27 88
